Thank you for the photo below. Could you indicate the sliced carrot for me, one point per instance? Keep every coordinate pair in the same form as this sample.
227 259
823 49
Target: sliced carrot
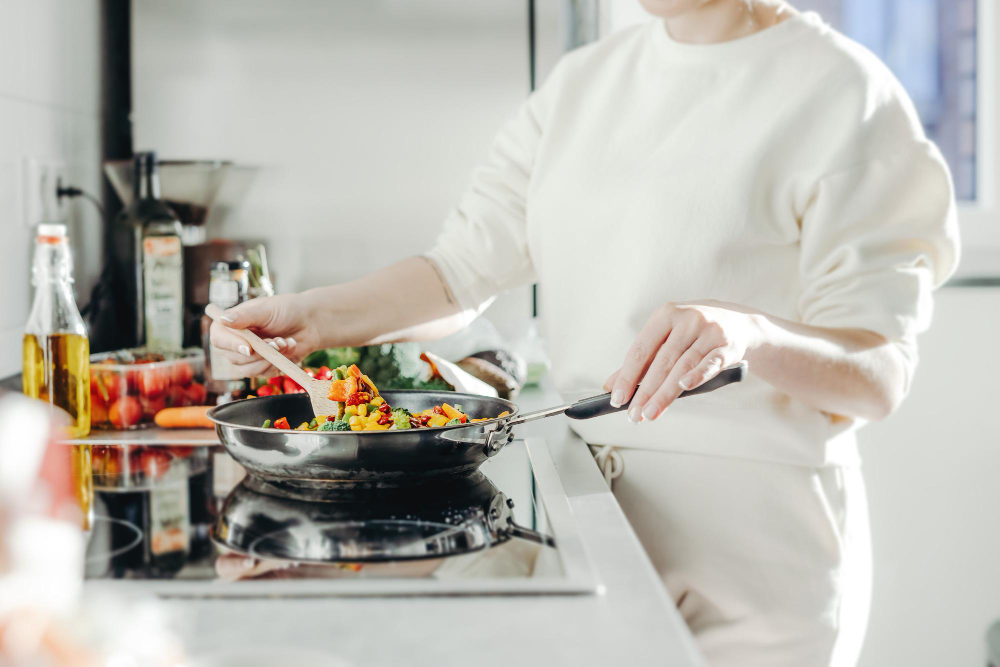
188 417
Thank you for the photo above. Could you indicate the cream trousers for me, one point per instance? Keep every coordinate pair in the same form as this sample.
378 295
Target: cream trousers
769 564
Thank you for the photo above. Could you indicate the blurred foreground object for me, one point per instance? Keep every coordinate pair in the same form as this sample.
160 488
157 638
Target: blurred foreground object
43 620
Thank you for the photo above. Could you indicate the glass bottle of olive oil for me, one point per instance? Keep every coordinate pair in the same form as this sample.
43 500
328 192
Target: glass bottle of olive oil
56 350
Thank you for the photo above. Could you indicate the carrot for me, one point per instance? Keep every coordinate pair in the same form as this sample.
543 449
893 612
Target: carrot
189 417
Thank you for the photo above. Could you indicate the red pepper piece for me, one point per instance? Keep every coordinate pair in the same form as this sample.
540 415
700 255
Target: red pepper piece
282 423
276 381
383 419
384 408
358 398
266 390
439 411
415 422
424 419
290 386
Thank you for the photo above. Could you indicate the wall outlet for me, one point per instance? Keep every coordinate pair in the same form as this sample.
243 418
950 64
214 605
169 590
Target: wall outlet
40 179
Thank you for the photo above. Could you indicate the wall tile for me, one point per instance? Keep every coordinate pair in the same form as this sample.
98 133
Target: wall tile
61 53
11 48
49 102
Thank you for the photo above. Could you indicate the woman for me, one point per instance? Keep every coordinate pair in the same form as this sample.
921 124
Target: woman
733 180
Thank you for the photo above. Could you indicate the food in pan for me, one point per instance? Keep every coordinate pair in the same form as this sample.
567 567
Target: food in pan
362 409
392 366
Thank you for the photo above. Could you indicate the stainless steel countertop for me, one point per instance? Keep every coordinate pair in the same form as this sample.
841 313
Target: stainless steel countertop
632 622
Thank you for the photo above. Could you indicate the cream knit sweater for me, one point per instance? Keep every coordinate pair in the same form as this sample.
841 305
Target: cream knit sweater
786 171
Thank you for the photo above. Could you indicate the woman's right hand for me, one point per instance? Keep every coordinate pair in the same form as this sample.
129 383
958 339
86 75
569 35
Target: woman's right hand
285 322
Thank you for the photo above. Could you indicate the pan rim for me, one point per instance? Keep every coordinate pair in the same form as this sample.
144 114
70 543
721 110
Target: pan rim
513 413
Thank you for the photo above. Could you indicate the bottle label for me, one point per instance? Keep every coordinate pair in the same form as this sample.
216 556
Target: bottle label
163 277
169 513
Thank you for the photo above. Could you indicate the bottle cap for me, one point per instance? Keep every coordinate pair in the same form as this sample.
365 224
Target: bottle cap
51 230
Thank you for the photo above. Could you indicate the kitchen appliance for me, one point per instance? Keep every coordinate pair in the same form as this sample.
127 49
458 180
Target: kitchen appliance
387 458
507 529
201 193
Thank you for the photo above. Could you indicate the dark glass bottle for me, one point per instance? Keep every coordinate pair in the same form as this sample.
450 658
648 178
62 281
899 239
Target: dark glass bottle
155 288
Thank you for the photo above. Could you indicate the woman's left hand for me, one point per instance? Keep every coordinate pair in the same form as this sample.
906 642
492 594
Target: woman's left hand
682 346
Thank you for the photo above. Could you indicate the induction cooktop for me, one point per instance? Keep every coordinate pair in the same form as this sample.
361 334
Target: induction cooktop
506 529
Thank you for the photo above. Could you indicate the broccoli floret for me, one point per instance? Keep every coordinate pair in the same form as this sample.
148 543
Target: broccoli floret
333 357
401 417
390 366
453 422
335 426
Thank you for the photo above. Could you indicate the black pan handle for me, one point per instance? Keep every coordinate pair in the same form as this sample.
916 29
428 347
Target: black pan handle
597 406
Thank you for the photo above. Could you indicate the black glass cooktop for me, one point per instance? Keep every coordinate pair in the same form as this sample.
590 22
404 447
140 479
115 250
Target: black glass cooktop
176 517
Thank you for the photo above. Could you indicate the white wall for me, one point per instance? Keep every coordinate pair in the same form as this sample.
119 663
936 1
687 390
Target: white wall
933 478
359 113
49 109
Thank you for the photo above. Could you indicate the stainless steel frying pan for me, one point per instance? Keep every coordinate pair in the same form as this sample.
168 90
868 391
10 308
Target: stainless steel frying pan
316 459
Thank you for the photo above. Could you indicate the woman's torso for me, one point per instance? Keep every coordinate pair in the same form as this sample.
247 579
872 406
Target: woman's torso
675 173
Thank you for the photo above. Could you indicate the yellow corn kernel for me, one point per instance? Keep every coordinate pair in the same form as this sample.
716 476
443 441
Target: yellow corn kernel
378 400
304 426
320 420
362 410
351 410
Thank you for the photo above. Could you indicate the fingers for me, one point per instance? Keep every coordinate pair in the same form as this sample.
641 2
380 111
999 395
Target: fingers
239 353
255 368
256 313
669 389
610 382
677 351
714 361
640 355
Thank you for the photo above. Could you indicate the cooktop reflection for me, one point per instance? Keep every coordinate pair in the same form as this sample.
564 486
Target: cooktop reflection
507 529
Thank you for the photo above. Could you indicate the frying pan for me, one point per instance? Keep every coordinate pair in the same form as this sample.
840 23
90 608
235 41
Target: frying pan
316 459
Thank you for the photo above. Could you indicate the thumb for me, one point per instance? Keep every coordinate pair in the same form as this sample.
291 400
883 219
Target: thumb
254 313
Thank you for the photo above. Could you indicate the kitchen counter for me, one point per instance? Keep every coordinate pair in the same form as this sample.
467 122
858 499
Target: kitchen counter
631 621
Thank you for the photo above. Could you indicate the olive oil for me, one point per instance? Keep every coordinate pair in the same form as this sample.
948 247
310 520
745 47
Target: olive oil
57 371
56 353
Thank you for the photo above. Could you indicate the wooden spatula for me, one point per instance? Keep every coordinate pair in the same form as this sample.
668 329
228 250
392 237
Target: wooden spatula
318 390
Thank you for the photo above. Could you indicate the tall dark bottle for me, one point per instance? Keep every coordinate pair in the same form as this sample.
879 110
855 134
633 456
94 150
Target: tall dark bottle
157 259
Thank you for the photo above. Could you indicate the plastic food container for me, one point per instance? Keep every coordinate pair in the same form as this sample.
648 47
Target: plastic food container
121 468
128 387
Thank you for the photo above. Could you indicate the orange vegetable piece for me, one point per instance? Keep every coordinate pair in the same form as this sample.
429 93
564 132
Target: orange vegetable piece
282 423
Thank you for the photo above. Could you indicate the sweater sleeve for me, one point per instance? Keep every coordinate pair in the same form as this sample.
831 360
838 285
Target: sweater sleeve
483 249
877 238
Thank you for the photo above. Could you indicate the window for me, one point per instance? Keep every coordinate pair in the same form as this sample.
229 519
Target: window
930 45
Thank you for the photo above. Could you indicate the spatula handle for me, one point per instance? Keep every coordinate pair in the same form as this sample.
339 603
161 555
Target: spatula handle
275 358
